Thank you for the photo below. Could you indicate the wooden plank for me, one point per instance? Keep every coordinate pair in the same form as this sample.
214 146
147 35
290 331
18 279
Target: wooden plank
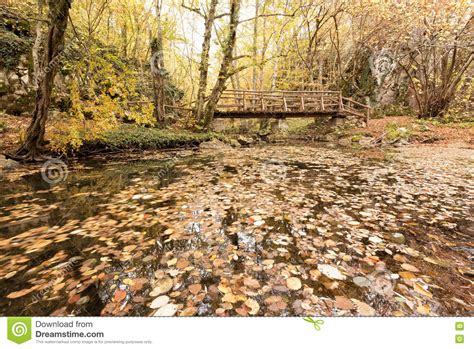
276 115
286 91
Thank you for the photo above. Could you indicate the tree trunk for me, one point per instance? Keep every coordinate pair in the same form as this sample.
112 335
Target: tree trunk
225 65
204 65
33 147
35 52
254 46
158 70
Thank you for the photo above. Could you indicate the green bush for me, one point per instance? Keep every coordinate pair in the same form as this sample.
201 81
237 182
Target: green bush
136 137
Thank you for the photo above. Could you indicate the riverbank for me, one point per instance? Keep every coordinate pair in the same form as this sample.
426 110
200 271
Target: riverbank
125 137
395 131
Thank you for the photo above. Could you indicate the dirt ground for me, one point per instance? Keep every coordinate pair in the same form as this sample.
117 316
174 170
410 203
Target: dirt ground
422 133
10 137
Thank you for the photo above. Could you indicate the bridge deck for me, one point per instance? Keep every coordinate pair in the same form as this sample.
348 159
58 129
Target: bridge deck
243 114
287 104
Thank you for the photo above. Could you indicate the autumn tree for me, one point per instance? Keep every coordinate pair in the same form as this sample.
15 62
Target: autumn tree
436 57
209 18
32 148
226 63
158 68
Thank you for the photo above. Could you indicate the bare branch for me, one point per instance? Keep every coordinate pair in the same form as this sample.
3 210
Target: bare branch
269 15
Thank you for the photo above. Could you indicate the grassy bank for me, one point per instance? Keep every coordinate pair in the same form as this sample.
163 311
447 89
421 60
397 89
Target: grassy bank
131 137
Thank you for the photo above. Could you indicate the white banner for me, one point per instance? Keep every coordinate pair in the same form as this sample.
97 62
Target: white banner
236 332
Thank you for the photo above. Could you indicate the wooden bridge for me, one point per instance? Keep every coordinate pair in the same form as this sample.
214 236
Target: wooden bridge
246 104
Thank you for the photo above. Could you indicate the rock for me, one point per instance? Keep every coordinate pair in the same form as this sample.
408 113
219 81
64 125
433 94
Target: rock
344 142
330 137
333 122
13 78
20 92
366 142
25 79
398 238
213 144
234 143
283 125
3 77
7 164
218 125
401 142
245 141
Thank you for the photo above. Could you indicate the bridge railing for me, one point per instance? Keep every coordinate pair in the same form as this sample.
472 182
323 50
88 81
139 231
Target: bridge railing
286 101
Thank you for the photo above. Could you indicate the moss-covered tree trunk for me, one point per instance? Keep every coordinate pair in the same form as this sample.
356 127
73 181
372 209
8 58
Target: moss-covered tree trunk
204 65
224 71
32 148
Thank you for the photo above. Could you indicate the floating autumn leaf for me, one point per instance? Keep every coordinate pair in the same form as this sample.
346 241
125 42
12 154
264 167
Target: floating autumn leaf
223 288
343 303
74 298
19 294
331 272
119 295
194 289
230 298
253 305
159 302
364 309
191 311
252 283
407 275
129 248
421 290
137 284
423 309
167 310
182 263
162 286
218 262
293 283
361 281
410 267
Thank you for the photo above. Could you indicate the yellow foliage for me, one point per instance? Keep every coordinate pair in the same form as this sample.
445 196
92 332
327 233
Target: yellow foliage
109 96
